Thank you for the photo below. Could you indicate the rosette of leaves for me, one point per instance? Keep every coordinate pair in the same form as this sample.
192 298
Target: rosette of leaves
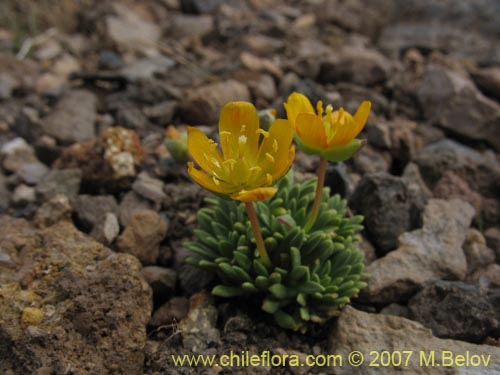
314 273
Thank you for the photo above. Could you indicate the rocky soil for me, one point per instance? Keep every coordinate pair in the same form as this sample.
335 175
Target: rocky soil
94 210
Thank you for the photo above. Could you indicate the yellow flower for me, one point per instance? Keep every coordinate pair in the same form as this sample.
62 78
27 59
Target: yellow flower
325 132
251 158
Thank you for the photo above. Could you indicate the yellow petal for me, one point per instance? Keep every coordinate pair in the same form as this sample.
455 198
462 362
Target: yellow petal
310 130
279 169
277 144
208 182
203 150
361 117
253 195
238 125
353 126
296 104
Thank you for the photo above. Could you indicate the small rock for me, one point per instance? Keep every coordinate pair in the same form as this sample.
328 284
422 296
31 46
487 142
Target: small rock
110 60
202 105
457 310
90 213
356 64
32 173
396 310
66 65
492 236
453 102
142 236
199 6
148 68
431 253
260 64
50 83
378 134
360 331
7 85
162 113
4 193
32 316
111 227
338 180
131 32
480 170
130 204
369 160
384 200
17 153
170 312
60 181
263 87
54 210
73 118
488 277
191 26
162 281
262 44
488 81
149 187
198 327
451 186
477 253
368 249
23 195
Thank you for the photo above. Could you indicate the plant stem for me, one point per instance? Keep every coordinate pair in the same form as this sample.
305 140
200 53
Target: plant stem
261 247
319 192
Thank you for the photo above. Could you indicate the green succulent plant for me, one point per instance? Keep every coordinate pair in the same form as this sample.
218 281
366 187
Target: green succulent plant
314 272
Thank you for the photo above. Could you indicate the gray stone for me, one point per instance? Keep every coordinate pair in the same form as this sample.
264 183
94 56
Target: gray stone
360 331
202 105
69 301
355 64
111 227
452 186
7 85
339 180
148 68
385 202
198 328
16 153
53 211
90 212
162 281
480 169
492 236
457 310
478 255
454 103
487 277
189 26
23 194
4 193
72 119
149 187
60 181
200 6
170 312
488 81
130 204
130 31
431 253
32 173
142 236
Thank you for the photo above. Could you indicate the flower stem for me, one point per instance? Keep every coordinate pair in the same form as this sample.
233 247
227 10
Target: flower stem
319 192
261 247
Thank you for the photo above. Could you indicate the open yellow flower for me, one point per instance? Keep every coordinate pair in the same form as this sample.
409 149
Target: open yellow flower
251 158
332 135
